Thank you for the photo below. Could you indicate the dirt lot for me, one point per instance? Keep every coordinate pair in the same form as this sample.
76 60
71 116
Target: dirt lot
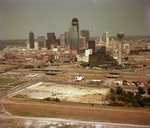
73 93
80 111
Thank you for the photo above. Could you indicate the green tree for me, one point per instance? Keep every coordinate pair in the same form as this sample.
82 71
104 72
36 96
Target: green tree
124 82
141 102
141 90
39 66
149 81
112 90
148 91
119 90
131 93
112 96
147 101
135 103
138 95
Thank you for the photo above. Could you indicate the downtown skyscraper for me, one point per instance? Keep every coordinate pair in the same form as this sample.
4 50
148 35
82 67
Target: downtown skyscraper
74 34
31 40
51 39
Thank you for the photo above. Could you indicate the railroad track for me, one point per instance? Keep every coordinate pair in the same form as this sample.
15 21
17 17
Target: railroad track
16 90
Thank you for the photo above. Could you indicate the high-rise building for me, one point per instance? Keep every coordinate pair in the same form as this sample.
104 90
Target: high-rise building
51 39
75 22
91 45
31 39
105 38
86 34
62 40
74 34
41 41
67 38
81 42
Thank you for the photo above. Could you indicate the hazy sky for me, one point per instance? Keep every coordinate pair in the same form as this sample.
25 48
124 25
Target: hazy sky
19 17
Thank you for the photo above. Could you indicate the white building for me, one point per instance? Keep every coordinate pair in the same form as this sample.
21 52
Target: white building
36 45
84 58
28 45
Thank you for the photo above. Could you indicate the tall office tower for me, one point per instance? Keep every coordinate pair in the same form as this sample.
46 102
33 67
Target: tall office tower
31 39
86 34
81 42
75 22
120 36
74 34
41 41
105 38
67 38
91 45
62 40
51 39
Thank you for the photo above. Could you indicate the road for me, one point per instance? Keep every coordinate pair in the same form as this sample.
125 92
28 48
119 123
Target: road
36 122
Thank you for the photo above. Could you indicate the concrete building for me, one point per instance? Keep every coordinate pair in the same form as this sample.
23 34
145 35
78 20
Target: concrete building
67 48
74 34
91 45
41 41
84 58
51 39
62 40
82 42
88 52
31 39
28 45
36 45
86 34
105 38
67 42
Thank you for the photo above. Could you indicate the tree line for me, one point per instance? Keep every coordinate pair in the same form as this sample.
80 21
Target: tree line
119 97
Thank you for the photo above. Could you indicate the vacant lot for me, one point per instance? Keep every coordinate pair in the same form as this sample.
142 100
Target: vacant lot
73 93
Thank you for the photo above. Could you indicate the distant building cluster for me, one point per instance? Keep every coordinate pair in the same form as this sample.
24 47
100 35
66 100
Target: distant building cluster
70 45
75 45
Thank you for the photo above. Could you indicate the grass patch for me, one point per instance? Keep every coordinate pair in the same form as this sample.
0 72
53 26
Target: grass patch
127 70
5 81
23 113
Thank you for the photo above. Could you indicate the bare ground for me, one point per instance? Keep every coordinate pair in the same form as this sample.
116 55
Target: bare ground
69 110
73 93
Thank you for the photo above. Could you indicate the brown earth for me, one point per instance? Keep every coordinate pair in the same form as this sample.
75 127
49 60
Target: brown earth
69 110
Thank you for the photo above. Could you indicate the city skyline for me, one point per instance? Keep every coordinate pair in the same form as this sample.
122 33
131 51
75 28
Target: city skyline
19 17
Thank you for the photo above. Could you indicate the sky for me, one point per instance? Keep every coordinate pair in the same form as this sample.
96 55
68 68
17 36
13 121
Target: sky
19 17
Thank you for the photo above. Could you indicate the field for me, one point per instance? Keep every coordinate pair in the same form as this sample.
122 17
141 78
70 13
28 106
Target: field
4 81
80 111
